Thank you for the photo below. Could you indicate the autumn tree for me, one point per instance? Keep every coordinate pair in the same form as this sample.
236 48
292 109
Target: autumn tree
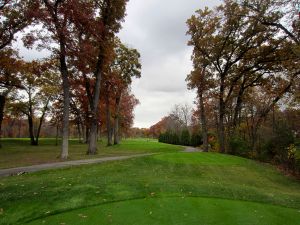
199 80
160 127
57 17
39 83
110 18
79 108
10 78
108 109
15 15
95 25
282 14
239 53
125 66
94 42
128 103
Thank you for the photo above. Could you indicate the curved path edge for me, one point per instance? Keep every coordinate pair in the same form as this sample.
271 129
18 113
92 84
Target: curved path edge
57 165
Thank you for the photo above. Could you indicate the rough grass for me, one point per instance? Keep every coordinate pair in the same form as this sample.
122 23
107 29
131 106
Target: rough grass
19 152
169 188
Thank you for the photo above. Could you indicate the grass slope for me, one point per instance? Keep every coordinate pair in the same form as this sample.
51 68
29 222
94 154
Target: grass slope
165 189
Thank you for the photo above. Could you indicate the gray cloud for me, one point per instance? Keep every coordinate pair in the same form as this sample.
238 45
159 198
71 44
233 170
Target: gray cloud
158 30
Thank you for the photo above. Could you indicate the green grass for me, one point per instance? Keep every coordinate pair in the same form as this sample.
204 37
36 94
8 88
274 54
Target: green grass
164 189
19 152
191 211
203 159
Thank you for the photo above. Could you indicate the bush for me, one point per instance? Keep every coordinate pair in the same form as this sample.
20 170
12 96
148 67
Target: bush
169 138
175 139
238 146
196 139
185 138
297 160
277 148
161 138
213 142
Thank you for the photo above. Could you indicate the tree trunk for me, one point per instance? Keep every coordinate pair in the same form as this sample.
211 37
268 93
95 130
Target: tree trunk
41 121
116 124
108 122
221 117
30 129
87 134
66 101
99 133
59 32
56 137
254 139
78 121
19 128
2 104
237 110
203 121
79 132
92 149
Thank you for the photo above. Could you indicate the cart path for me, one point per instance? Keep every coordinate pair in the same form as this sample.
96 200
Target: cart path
56 165
192 149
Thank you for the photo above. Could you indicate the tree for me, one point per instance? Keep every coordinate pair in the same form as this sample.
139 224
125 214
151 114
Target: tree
109 129
200 80
125 66
126 114
10 66
92 53
160 127
15 15
247 54
282 14
96 25
185 138
179 118
39 89
196 140
57 17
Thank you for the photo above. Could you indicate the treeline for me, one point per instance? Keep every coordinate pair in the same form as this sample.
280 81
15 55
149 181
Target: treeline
184 138
177 128
86 80
246 73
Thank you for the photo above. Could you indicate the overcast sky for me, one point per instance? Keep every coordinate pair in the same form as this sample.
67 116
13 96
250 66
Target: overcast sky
157 29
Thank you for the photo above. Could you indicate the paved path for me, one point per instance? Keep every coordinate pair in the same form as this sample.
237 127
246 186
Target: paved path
191 149
47 166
